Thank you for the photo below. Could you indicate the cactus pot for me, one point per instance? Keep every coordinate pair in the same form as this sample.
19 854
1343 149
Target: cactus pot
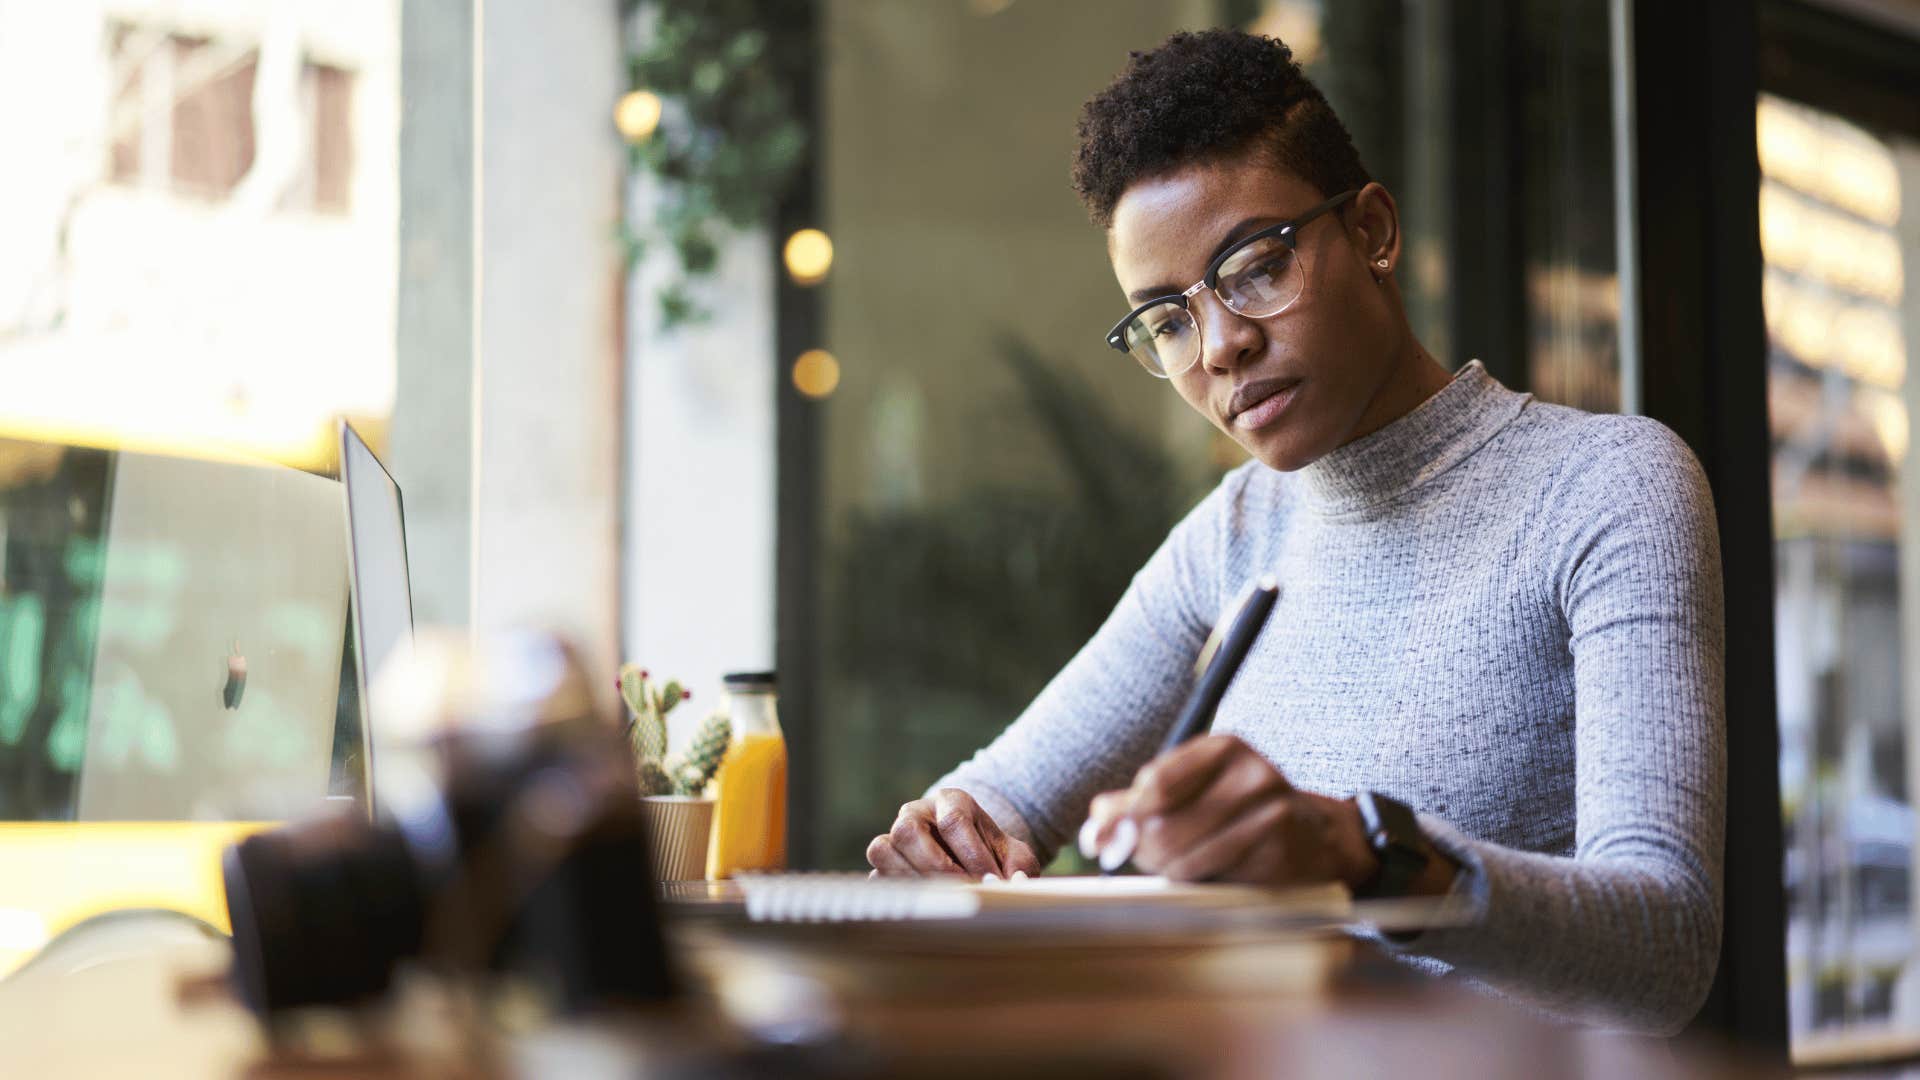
678 827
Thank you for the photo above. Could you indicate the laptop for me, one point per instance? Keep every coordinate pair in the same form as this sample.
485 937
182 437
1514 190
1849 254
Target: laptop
216 643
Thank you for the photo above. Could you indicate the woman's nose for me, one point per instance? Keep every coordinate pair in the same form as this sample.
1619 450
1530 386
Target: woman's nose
1227 338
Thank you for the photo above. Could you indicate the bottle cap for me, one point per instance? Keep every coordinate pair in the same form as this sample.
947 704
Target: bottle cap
749 680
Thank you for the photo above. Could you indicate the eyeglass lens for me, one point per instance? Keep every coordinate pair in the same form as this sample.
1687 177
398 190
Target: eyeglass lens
1258 281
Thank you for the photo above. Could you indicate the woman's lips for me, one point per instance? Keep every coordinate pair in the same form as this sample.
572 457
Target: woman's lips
1267 410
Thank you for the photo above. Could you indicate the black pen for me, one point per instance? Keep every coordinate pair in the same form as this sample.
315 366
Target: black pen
1196 717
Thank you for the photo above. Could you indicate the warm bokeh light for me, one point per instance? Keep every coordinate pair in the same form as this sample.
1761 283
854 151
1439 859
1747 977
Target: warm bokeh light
1888 415
809 256
816 373
1829 159
1802 236
1821 331
1295 23
637 115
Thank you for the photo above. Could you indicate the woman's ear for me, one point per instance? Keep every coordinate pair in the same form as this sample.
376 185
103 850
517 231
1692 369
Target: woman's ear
1375 228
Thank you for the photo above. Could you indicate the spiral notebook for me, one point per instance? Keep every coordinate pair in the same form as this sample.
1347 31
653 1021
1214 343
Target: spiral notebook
859 898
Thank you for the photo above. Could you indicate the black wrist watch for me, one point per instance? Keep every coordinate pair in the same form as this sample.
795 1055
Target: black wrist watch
1394 834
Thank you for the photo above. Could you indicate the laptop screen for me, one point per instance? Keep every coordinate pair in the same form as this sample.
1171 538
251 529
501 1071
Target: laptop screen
219 598
382 596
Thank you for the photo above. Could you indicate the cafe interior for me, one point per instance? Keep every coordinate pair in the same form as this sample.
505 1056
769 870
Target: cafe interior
502 502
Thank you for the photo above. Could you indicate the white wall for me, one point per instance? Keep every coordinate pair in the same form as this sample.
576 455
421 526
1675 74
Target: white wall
699 543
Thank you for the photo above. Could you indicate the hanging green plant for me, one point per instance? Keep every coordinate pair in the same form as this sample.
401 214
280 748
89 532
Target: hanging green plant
723 130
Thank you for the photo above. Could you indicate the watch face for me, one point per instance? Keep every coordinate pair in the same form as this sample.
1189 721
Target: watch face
1392 820
1395 836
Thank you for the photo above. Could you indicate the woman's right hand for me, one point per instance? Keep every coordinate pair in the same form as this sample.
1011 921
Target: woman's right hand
949 834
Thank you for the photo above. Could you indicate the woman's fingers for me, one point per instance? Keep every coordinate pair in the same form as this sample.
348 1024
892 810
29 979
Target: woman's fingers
1182 797
1235 851
1180 775
1019 858
1015 856
885 860
950 834
1240 785
913 838
963 829
1106 809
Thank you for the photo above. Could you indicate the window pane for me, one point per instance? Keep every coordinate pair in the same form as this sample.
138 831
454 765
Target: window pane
993 476
1573 301
1835 248
201 226
199 207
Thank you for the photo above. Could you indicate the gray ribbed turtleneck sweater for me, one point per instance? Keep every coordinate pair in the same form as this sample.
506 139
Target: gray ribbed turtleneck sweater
1504 613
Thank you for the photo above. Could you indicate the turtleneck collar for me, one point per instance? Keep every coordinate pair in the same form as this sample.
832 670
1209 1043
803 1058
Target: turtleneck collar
1436 435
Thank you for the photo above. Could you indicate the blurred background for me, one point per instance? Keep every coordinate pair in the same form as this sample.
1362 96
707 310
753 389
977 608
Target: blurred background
752 334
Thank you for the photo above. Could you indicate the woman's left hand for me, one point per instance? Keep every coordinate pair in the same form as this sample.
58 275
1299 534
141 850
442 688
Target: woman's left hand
1214 809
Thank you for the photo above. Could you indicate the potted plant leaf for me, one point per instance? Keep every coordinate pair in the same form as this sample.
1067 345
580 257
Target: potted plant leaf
679 815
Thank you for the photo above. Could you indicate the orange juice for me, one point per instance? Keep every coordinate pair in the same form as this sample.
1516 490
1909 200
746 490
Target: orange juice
750 809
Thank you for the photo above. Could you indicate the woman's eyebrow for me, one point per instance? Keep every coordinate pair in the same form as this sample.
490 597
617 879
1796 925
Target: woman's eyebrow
1234 236
1239 232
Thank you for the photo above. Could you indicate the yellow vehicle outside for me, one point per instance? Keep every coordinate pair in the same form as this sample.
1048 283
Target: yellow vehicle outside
54 874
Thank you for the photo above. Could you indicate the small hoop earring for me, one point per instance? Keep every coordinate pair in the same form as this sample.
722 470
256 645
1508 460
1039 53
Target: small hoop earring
1382 264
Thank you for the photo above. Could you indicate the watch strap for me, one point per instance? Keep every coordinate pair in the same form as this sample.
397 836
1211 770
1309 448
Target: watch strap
1393 832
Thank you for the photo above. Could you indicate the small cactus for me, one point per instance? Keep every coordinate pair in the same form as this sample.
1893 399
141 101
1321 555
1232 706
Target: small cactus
703 758
653 777
649 705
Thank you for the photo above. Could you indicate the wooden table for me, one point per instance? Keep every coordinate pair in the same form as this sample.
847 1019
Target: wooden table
1179 1002
155 1007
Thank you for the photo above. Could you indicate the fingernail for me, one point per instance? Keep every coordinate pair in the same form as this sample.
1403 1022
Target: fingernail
1120 848
1089 837
991 877
1018 875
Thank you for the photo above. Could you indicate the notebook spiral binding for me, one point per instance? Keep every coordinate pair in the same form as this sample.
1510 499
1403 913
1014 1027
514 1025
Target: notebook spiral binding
831 897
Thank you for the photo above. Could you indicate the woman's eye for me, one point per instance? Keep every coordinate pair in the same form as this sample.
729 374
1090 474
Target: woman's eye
1272 266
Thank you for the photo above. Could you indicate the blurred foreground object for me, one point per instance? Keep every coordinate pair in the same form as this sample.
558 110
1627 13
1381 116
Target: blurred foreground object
510 847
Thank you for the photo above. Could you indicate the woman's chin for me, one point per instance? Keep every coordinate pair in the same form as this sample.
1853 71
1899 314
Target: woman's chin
1281 452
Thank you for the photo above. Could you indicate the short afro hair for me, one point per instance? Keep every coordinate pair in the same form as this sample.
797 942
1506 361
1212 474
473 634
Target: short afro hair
1207 96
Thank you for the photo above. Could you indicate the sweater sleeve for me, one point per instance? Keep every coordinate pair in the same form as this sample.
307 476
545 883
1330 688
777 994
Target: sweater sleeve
1104 714
1626 931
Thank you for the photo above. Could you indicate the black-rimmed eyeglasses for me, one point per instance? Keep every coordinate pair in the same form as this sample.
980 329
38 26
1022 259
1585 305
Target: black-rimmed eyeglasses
1258 277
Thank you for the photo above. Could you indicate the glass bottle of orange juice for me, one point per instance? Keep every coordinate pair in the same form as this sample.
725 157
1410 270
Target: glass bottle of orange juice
750 804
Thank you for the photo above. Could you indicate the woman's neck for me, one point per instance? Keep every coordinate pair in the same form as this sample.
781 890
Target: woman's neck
1414 377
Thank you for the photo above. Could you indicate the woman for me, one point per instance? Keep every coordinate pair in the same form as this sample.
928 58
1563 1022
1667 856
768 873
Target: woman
1495 670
